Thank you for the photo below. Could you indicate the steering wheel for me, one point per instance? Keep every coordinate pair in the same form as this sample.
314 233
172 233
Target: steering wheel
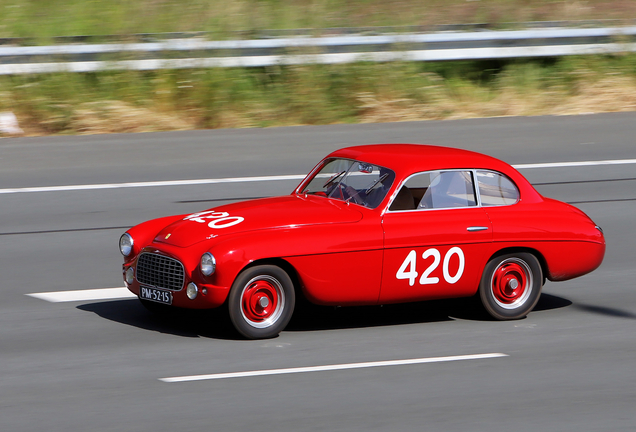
349 193
344 194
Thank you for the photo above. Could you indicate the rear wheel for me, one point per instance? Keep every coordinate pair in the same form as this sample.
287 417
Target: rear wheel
511 285
261 301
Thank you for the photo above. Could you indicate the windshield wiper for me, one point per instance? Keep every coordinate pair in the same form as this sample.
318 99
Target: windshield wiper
375 183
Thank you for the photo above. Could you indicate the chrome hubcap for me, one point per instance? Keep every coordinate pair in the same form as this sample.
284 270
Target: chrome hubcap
262 301
511 283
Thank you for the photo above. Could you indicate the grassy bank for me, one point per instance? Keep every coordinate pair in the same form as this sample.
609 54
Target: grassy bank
46 19
314 95
295 95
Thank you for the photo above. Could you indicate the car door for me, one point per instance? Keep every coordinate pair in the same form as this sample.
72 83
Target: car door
437 239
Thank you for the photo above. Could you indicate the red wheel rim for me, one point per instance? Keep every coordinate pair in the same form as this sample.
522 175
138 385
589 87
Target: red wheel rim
511 283
262 301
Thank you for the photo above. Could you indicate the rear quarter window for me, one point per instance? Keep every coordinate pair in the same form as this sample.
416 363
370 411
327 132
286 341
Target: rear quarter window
495 189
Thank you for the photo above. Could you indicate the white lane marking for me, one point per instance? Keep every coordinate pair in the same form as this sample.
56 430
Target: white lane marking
84 295
267 178
150 184
331 367
576 164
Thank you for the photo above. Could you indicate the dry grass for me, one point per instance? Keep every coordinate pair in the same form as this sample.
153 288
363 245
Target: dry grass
46 19
592 95
300 95
307 96
119 117
610 94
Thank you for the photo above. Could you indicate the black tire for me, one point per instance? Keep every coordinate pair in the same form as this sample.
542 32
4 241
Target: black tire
261 301
511 285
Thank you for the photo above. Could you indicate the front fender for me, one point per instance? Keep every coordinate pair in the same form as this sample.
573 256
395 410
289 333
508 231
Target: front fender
328 259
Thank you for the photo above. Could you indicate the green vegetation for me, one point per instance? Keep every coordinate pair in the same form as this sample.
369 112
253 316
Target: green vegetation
46 19
317 94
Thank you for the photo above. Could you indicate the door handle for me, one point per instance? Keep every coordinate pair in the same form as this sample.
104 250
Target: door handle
477 228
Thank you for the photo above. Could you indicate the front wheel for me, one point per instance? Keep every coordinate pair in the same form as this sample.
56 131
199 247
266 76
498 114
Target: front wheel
261 301
511 285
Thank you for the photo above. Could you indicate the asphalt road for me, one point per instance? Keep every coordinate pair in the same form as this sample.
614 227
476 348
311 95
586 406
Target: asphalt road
96 365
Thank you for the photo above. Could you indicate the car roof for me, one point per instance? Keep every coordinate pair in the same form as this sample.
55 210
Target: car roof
406 159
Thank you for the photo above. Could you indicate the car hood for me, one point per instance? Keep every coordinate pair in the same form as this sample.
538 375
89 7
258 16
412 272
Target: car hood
268 213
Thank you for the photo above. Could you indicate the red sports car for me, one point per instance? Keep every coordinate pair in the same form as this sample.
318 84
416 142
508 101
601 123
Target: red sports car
369 225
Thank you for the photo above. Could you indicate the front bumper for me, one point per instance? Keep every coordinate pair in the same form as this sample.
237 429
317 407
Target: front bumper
209 295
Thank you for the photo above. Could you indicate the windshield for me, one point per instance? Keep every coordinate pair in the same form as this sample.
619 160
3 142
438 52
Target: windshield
352 181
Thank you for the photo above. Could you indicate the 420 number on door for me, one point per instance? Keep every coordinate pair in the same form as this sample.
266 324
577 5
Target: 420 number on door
408 269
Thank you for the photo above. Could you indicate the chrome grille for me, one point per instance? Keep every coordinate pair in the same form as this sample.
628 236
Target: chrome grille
160 271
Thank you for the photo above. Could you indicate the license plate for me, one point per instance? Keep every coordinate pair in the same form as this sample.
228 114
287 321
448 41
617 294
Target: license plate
156 295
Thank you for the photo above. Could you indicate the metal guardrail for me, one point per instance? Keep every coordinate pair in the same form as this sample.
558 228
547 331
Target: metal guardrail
197 52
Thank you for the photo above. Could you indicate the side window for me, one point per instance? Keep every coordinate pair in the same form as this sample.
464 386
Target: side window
449 189
435 190
411 192
495 189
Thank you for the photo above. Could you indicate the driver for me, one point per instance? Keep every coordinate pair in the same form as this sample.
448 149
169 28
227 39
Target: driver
373 196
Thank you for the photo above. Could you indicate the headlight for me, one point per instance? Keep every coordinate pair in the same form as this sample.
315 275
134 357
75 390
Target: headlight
192 291
208 264
126 244
130 276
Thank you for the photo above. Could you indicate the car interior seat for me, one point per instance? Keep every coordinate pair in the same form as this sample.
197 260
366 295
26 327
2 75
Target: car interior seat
404 200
